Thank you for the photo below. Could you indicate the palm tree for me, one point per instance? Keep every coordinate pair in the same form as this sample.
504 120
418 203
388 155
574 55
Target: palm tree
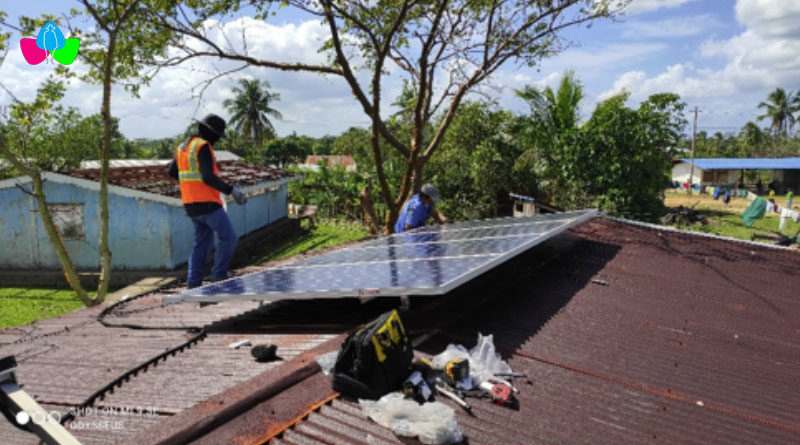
553 113
558 110
779 109
251 108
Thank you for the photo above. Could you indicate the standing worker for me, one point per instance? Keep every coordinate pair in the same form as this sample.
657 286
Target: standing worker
417 210
195 168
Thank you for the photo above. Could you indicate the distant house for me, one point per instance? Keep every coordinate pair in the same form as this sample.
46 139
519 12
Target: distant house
312 162
727 171
149 229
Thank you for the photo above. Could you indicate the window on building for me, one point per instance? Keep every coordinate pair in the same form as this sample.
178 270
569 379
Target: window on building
68 220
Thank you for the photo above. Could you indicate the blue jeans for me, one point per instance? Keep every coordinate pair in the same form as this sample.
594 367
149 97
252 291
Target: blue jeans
204 228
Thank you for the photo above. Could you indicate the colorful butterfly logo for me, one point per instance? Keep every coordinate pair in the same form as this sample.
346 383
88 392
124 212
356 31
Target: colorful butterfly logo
49 41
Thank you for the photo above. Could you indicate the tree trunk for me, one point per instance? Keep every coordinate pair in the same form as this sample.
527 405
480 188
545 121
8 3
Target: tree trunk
370 218
105 155
416 178
47 220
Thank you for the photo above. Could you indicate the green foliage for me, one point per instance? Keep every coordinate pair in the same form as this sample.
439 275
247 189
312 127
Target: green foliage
779 109
334 190
619 160
284 151
21 306
49 137
355 142
251 109
473 170
326 233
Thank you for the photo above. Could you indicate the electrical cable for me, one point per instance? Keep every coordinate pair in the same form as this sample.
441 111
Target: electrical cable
144 367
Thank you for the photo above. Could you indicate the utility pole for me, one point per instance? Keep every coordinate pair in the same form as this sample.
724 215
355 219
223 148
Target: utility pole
691 168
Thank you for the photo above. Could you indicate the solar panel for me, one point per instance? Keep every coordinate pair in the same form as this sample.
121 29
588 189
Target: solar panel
431 260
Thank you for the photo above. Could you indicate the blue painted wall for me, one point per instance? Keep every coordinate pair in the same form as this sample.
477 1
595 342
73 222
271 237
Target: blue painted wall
143 234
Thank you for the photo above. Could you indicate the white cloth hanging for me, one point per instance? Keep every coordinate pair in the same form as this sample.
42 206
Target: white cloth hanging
785 214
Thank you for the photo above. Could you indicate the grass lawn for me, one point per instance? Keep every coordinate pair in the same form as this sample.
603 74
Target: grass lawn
326 233
725 219
19 306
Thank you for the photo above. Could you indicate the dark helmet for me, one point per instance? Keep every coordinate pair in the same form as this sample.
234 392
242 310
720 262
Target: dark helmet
214 124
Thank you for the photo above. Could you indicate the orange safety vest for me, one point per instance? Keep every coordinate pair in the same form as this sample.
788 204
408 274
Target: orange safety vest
193 189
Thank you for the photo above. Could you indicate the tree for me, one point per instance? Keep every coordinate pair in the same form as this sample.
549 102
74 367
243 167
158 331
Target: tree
474 168
115 48
779 110
29 149
753 139
445 50
251 109
619 160
283 151
555 111
552 115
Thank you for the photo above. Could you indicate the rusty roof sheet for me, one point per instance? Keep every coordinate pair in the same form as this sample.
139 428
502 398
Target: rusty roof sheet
154 178
627 335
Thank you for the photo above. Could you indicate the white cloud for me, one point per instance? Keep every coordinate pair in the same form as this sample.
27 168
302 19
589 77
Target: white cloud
758 60
674 27
770 18
641 6
311 104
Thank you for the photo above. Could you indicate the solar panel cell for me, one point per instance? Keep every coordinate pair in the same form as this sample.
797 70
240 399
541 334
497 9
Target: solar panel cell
427 261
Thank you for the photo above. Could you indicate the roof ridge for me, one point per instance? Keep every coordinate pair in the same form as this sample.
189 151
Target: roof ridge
701 234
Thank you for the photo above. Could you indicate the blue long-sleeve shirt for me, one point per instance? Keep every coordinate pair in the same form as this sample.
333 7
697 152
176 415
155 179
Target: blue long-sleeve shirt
415 213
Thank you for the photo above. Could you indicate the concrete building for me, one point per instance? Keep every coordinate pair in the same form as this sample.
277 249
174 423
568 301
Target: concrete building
149 228
727 171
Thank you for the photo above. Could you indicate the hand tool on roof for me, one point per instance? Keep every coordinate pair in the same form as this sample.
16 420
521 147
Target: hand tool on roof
23 412
442 389
503 382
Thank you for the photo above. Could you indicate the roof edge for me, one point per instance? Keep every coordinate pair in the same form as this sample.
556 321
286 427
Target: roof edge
93 185
700 234
261 186
133 193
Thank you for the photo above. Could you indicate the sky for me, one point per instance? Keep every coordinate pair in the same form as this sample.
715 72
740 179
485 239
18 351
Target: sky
721 56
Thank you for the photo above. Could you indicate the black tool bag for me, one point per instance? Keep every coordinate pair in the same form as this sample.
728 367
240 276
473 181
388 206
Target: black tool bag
374 360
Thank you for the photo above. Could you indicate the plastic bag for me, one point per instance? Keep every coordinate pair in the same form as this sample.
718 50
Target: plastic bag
484 361
433 423
327 361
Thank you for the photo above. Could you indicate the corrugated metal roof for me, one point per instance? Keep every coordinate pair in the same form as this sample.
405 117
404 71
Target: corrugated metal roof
220 155
746 163
154 178
627 335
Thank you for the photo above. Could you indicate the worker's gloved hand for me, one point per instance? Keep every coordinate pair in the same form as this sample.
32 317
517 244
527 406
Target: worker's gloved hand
238 196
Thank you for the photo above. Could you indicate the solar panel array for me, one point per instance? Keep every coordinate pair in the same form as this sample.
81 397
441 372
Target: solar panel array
431 260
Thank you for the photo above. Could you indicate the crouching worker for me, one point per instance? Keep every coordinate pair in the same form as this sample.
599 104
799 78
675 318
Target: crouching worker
417 210
195 167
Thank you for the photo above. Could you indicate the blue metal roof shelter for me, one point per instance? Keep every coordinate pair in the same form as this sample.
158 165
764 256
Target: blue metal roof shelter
746 163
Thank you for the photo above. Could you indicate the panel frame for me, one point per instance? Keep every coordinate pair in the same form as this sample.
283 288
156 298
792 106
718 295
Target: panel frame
493 262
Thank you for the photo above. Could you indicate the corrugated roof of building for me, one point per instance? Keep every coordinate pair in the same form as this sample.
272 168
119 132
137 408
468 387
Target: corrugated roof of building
154 178
746 163
220 155
627 334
